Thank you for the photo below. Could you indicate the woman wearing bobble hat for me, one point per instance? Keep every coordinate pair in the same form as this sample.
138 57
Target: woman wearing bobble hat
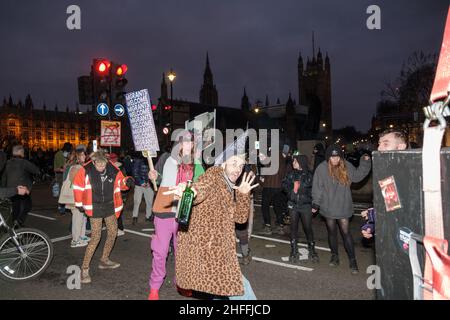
332 196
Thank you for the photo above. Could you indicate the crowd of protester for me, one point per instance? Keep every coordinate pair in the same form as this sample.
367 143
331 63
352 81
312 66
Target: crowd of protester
95 186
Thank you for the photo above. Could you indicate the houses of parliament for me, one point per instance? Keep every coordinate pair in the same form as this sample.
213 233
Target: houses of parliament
310 118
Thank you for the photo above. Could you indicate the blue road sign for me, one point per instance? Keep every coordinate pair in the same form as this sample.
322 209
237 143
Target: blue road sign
119 110
102 109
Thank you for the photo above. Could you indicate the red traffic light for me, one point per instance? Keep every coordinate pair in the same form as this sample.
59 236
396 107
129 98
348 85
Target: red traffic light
154 107
102 66
168 108
121 70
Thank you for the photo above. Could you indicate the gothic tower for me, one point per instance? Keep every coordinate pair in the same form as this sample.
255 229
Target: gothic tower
208 92
314 87
164 88
245 103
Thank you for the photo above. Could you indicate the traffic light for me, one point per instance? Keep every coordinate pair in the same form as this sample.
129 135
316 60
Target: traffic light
118 83
101 80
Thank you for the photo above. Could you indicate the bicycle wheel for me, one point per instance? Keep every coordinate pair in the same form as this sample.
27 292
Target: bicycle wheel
36 257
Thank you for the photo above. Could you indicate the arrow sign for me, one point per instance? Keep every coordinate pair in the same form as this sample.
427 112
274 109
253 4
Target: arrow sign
119 110
102 109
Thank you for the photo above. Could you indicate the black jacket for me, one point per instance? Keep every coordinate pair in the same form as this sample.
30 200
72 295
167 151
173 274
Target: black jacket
19 172
303 196
140 172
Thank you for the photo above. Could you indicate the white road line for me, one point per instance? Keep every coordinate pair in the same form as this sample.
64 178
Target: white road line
150 229
40 216
284 241
276 263
139 233
62 238
69 237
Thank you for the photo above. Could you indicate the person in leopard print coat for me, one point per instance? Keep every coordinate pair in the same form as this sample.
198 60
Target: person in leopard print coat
206 258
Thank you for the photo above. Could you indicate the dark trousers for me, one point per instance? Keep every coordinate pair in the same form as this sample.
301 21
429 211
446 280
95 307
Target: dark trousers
21 205
120 222
242 233
272 196
305 215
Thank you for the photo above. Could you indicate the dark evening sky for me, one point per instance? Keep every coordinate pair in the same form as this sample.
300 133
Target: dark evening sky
252 43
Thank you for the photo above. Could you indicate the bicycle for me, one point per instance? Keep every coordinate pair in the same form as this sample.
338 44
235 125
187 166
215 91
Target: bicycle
25 253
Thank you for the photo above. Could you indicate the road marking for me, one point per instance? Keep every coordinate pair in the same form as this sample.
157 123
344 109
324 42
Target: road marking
276 263
139 233
150 229
69 236
62 238
40 216
270 246
284 241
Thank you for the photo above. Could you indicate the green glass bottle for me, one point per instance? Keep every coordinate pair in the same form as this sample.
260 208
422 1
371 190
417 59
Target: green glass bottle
185 205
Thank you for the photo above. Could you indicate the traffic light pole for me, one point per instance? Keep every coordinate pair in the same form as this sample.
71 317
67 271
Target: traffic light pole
109 101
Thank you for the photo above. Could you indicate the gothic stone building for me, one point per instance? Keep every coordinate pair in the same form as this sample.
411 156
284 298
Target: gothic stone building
42 128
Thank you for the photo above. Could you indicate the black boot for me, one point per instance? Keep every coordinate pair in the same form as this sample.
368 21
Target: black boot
354 266
312 254
134 221
334 261
294 256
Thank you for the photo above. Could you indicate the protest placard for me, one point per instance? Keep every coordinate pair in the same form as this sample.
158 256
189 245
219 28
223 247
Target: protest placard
142 124
141 121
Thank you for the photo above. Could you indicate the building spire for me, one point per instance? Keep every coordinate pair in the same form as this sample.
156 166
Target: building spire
313 45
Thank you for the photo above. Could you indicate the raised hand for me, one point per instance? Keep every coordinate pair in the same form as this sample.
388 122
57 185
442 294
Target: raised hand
153 175
246 184
22 190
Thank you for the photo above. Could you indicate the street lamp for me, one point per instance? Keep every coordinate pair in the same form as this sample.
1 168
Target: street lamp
171 77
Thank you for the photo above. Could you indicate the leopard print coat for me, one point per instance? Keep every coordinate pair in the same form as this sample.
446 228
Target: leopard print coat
206 258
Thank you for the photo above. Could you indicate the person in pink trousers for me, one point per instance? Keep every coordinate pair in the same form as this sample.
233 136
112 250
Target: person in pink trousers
178 168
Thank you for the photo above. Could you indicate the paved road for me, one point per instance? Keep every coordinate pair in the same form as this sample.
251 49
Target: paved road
271 277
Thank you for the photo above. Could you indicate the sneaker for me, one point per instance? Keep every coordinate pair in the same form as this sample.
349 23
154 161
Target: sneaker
77 244
149 219
154 294
245 260
267 230
120 232
108 264
85 277
334 261
280 230
354 266
85 239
